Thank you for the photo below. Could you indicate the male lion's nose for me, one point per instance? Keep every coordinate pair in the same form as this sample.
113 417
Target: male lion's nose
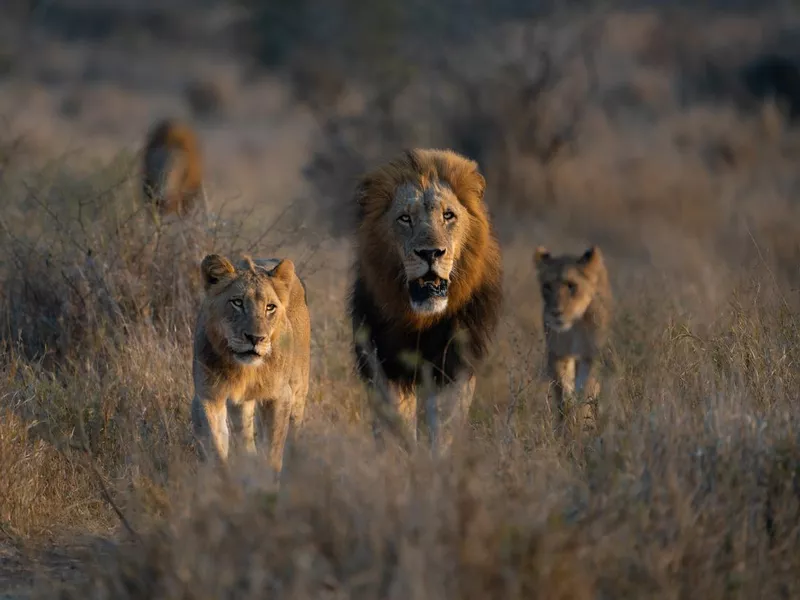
255 339
429 255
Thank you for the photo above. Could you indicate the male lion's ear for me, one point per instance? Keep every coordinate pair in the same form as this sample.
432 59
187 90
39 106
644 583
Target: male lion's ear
591 259
215 268
540 255
480 182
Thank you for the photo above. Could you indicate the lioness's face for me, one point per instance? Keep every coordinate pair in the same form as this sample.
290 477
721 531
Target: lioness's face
568 286
428 226
248 303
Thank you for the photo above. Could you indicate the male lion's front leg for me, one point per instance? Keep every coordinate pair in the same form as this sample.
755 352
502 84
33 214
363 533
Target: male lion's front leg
446 411
210 423
395 409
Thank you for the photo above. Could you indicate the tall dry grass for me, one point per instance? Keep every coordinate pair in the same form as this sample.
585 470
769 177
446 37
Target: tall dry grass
689 488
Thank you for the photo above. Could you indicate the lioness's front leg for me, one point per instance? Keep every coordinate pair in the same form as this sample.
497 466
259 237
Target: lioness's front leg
561 372
279 430
210 424
242 416
446 411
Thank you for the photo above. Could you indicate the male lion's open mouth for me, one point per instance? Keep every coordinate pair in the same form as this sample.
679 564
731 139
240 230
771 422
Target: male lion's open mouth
427 287
248 357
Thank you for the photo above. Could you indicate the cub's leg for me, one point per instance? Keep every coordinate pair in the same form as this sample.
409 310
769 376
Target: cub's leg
210 423
242 417
587 389
446 411
561 372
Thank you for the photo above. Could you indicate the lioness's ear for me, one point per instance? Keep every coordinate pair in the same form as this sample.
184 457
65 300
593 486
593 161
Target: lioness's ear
215 268
283 271
591 259
540 255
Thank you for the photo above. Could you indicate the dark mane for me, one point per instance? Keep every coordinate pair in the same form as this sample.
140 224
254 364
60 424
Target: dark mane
456 341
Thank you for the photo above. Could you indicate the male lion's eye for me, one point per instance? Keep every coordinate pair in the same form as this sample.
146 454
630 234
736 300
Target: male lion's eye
237 302
271 308
404 219
449 215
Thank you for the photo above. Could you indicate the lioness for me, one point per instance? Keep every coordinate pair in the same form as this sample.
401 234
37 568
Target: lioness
427 287
251 349
577 312
172 169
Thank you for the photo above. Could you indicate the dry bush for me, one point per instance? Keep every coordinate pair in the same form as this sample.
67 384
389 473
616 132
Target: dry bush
97 309
692 496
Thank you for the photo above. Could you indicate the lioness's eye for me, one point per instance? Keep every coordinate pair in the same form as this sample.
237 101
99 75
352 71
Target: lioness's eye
237 302
404 219
571 287
449 215
271 308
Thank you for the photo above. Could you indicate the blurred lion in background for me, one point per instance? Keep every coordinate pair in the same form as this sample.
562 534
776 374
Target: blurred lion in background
172 169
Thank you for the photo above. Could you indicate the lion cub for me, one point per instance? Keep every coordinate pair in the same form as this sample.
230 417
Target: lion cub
577 311
251 350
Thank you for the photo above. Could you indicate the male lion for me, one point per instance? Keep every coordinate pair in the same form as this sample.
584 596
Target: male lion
251 348
172 170
577 312
427 287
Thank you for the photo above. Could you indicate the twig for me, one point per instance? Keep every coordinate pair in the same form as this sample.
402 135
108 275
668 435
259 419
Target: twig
103 488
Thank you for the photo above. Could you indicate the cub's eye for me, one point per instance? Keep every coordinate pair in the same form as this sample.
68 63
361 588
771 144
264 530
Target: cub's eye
237 302
271 308
449 215
571 287
404 219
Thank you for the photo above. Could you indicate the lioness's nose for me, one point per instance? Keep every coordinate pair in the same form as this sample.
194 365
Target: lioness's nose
429 255
255 339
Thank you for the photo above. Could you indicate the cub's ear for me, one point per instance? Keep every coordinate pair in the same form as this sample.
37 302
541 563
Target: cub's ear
215 268
591 258
541 255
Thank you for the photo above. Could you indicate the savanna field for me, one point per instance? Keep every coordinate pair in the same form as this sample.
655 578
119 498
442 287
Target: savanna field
641 130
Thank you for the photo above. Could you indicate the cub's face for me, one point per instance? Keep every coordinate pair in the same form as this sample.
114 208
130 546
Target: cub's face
428 226
247 306
568 285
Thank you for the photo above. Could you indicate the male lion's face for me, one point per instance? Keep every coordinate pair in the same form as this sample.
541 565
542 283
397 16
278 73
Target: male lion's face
428 226
247 304
568 285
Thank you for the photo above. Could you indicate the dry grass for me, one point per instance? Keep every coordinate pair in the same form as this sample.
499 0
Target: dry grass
690 487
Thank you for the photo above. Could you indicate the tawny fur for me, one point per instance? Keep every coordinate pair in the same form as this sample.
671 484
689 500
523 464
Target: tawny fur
450 340
577 305
172 168
257 307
